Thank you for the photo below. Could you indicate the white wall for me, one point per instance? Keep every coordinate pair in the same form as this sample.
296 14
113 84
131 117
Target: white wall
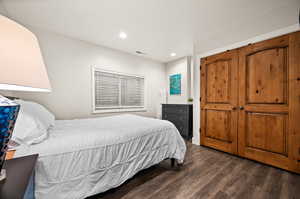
69 63
180 66
3 11
196 97
196 136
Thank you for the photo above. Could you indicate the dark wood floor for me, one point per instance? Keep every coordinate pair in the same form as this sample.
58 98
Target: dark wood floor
209 174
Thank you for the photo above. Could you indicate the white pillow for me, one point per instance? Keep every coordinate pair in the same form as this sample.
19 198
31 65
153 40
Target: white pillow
39 112
28 130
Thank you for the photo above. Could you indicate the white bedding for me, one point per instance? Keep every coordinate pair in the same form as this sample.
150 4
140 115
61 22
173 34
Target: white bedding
89 156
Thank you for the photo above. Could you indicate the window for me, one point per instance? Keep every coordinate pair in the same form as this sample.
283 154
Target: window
114 92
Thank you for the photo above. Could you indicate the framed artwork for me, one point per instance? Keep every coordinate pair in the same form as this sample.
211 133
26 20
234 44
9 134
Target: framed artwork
175 84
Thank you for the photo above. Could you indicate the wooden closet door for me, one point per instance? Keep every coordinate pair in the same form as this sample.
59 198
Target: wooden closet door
266 81
219 86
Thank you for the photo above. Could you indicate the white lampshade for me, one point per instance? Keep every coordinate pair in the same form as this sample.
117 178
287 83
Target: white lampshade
21 64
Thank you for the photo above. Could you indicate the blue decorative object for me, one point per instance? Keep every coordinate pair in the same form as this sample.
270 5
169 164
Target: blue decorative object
175 84
8 115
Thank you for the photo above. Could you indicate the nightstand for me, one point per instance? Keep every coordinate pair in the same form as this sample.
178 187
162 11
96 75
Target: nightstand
19 182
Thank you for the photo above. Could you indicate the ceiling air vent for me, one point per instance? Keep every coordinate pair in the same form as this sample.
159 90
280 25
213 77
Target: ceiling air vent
140 52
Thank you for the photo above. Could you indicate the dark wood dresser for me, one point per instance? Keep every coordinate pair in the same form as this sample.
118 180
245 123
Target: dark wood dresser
181 115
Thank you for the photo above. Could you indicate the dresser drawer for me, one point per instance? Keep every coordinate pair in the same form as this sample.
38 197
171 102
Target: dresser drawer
174 117
175 109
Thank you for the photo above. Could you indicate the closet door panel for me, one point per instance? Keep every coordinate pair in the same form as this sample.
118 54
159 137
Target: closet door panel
266 132
266 73
219 102
218 125
217 82
263 98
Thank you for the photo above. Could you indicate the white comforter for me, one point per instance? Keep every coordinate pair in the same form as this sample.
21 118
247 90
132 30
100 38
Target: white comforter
85 157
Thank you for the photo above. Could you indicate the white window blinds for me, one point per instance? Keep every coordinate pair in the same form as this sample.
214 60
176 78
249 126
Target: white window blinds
117 91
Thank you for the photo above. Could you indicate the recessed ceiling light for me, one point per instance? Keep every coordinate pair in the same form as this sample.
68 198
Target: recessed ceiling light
123 35
173 54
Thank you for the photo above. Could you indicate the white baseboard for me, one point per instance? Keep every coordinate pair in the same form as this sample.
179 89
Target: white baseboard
195 141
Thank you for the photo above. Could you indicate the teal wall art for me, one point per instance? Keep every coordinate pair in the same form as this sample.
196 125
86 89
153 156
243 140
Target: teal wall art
175 84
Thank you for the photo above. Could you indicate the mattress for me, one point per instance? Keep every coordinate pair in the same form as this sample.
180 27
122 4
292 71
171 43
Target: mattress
84 157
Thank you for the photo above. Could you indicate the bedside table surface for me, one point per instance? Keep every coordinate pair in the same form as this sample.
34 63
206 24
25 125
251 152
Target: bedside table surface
18 173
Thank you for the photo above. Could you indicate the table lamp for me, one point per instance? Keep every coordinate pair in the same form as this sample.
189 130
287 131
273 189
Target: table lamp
22 69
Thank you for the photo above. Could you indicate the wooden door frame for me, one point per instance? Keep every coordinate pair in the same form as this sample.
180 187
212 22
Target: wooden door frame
294 102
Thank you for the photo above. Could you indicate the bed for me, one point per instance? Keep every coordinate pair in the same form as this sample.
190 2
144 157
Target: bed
81 158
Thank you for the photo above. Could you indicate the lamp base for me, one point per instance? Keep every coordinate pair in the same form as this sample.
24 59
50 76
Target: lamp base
2 175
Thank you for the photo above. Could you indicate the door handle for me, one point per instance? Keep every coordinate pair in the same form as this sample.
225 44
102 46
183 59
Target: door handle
241 108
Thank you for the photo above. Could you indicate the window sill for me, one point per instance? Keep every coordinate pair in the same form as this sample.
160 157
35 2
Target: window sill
120 110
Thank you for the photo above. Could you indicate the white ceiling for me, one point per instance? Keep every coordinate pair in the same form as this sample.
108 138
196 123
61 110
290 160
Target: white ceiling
157 27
